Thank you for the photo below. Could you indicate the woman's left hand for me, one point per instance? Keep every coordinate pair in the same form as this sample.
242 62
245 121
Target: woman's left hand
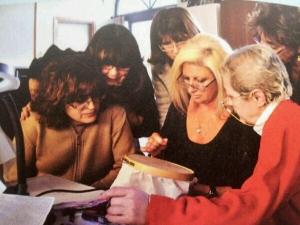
127 205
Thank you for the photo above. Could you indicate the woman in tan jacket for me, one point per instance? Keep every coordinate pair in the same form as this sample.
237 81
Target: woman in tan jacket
70 135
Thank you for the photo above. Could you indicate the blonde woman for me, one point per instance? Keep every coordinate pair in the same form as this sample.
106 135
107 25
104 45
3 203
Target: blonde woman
198 132
257 86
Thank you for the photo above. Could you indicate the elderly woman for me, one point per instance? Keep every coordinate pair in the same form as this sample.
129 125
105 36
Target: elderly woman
120 62
73 136
198 132
257 88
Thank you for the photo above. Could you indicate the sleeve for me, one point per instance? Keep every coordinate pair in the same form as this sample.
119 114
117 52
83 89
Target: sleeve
170 122
273 182
173 130
122 144
30 134
161 83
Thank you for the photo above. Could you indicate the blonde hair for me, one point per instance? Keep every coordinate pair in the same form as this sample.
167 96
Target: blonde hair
258 67
204 50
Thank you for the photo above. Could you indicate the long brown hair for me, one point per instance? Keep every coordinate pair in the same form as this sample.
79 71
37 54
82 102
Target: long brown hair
176 22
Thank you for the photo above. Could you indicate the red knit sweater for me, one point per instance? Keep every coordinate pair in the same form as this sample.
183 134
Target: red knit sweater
270 196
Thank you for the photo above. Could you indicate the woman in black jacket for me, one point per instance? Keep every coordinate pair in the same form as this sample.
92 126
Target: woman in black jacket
120 61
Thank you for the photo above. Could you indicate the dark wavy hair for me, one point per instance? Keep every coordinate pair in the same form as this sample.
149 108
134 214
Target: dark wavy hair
114 44
281 22
73 78
176 22
52 54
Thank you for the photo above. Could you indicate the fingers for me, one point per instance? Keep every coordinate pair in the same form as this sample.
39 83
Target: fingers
284 53
155 144
118 219
127 205
114 192
25 112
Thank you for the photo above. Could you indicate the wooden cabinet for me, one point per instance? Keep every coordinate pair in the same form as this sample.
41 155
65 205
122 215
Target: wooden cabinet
233 22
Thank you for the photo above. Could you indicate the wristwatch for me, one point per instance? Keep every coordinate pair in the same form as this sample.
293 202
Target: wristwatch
212 192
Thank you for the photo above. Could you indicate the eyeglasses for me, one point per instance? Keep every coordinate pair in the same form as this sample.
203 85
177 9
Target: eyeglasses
197 84
171 46
227 104
107 68
81 105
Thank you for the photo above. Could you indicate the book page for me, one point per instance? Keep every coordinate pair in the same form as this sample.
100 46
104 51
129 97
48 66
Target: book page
37 185
15 209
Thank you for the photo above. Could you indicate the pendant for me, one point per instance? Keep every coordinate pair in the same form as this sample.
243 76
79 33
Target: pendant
198 130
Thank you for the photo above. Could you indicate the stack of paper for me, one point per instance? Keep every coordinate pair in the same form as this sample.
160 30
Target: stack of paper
20 210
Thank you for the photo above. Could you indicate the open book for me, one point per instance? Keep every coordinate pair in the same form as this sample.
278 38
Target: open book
69 208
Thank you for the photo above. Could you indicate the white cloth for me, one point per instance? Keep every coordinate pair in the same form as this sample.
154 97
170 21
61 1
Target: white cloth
131 177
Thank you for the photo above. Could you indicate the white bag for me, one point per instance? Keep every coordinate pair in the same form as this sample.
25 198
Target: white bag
154 176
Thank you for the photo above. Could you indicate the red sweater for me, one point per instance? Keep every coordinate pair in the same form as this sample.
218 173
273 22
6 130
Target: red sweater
270 196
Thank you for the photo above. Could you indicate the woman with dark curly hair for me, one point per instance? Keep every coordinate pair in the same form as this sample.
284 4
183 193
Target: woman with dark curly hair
279 27
74 136
120 62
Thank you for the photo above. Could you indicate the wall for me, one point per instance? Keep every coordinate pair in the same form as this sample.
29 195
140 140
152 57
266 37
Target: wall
16 36
95 11
17 25
208 17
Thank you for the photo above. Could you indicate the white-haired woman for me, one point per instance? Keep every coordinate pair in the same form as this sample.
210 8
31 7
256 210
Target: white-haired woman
257 88
198 132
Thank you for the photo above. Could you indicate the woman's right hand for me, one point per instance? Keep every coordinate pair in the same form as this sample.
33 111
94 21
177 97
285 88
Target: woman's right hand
155 144
25 112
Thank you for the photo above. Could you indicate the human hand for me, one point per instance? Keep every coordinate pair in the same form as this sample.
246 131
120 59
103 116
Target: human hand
155 144
25 112
127 205
285 53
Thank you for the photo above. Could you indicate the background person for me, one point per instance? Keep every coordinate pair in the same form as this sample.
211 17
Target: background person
120 62
279 27
198 132
74 136
271 195
170 28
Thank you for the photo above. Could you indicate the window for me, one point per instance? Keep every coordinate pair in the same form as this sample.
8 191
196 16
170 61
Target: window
73 34
137 17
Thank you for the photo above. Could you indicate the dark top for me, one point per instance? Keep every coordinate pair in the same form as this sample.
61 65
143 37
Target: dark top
139 100
227 160
294 69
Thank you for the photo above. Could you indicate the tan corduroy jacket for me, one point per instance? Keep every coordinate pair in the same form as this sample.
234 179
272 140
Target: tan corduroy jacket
93 157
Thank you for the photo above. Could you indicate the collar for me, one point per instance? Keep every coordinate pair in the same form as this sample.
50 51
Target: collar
260 123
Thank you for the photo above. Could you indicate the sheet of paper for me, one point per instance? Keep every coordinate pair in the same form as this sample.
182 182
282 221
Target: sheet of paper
40 184
20 210
2 187
6 148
